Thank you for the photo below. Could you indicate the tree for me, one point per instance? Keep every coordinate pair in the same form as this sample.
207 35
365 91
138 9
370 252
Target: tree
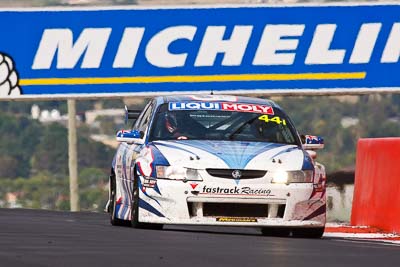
18 139
8 166
51 153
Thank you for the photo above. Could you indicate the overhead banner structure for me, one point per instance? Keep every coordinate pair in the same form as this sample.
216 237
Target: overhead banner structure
115 52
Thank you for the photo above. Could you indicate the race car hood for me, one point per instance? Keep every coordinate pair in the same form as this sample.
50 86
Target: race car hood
202 154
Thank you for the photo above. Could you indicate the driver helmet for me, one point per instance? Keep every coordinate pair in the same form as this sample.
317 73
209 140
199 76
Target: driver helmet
171 122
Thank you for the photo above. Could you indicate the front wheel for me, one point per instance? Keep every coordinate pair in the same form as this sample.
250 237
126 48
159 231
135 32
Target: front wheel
309 232
135 210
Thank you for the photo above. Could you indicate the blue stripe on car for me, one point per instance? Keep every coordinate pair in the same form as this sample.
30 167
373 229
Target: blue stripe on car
117 208
235 154
125 185
175 147
157 189
307 162
290 149
159 158
145 193
144 205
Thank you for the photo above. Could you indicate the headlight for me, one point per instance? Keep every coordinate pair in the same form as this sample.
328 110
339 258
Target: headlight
280 177
287 177
178 173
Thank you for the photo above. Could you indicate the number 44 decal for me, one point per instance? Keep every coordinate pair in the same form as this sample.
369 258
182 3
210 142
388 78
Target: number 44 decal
275 119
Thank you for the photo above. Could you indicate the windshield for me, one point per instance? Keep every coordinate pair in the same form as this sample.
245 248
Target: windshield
203 124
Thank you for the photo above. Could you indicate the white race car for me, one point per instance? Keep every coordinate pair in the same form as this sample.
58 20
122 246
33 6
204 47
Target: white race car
217 160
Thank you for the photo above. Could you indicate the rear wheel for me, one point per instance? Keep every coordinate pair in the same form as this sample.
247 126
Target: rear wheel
274 231
113 203
135 210
309 232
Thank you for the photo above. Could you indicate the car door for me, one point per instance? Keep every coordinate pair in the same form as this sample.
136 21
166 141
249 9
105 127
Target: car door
133 150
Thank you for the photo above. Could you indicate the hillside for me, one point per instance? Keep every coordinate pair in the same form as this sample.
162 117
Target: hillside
34 159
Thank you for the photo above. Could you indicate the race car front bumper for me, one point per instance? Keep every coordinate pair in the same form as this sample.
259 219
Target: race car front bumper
255 204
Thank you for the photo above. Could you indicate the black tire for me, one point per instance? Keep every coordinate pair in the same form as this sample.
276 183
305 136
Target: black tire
113 189
135 210
309 232
275 231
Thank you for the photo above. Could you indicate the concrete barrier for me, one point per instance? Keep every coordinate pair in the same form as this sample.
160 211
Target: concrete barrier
339 199
376 199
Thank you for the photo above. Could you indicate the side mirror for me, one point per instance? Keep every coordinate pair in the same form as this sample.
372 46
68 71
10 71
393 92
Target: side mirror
311 142
130 137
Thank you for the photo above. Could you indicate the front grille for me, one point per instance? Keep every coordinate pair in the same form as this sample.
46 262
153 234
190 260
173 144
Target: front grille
236 210
227 173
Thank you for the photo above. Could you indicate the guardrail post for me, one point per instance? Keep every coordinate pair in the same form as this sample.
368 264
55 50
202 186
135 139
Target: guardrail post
73 156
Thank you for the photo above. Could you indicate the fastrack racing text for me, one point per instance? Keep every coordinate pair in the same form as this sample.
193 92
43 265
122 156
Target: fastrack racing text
236 190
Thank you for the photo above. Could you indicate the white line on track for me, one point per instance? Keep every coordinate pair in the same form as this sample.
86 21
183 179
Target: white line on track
379 242
361 235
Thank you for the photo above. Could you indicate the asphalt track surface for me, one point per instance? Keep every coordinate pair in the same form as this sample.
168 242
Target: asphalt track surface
48 238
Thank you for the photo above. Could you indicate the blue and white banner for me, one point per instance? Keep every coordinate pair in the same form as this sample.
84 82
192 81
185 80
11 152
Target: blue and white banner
83 53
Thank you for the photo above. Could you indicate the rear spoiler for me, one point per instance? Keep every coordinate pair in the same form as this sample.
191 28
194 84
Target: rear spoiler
131 114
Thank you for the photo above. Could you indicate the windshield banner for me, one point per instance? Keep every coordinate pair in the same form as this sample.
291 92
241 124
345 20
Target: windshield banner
241 49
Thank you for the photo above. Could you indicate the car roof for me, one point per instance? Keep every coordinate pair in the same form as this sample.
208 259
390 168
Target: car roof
214 98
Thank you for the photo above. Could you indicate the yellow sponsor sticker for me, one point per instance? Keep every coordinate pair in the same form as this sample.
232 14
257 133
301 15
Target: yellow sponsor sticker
275 119
236 219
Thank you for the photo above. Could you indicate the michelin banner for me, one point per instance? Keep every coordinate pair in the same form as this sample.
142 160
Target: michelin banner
115 52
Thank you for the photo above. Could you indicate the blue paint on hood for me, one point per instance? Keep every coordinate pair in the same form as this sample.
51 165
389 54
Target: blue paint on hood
159 158
236 154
